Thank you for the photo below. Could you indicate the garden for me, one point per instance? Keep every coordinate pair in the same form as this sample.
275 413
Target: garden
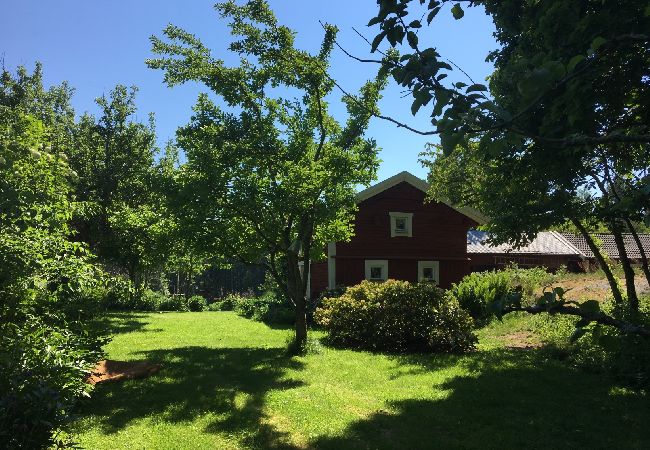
156 293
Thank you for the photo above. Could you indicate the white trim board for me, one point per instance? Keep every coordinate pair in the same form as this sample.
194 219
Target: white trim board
331 265
420 184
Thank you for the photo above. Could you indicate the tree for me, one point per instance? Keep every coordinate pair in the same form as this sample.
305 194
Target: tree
271 179
119 190
46 344
563 133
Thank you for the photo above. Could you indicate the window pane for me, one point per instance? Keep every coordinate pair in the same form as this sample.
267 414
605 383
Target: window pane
375 273
400 224
427 273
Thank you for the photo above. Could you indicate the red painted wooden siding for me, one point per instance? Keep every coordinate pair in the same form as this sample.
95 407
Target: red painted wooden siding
439 234
318 280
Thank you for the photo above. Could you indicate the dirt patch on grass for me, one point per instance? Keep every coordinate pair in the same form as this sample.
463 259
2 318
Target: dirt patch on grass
521 340
110 370
588 287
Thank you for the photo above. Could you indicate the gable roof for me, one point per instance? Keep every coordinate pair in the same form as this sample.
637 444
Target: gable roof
609 245
546 242
407 177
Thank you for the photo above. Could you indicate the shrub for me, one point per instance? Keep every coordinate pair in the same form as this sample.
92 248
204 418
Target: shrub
117 294
149 301
172 303
478 291
227 303
605 349
396 316
197 303
267 308
43 367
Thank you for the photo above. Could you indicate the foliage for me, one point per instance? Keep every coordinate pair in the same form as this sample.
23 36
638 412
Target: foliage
397 316
478 291
225 304
554 138
43 367
122 194
605 350
48 282
271 179
267 308
172 303
197 303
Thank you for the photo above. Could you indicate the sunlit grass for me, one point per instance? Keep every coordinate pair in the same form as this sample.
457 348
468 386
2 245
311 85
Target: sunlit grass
226 383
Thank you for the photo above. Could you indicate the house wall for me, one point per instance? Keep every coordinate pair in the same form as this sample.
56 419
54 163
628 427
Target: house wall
439 233
318 278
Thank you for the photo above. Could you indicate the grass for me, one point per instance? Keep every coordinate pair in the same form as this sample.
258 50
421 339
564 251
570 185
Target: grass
226 383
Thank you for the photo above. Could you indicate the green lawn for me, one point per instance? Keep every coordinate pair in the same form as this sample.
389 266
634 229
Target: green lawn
227 384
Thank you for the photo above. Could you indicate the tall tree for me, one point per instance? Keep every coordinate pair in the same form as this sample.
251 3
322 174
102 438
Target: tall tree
271 179
567 112
119 190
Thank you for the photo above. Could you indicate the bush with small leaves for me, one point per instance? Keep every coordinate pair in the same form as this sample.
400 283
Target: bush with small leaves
197 303
396 316
173 303
267 308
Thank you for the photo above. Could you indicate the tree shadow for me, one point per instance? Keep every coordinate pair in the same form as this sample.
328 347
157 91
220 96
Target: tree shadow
231 383
510 400
121 322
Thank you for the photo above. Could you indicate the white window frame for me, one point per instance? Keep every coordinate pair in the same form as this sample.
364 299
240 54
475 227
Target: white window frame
383 263
435 265
393 221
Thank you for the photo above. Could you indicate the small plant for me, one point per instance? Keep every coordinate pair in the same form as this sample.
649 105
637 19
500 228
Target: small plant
197 303
173 303
479 291
397 316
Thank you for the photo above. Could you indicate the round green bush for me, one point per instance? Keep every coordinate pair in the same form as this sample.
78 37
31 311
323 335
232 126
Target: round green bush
396 316
197 303
173 303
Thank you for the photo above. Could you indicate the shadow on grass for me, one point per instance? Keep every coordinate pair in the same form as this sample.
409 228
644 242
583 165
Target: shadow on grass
113 323
228 382
509 400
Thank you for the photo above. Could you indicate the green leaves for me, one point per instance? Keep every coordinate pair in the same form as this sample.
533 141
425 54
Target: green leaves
412 39
376 41
457 11
577 334
597 43
450 140
422 97
574 62
476 88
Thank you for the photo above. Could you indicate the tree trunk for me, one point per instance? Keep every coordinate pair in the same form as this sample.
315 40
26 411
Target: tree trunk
644 257
613 283
297 291
301 323
632 298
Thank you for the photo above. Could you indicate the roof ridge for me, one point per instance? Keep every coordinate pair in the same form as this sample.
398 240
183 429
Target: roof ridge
566 242
418 183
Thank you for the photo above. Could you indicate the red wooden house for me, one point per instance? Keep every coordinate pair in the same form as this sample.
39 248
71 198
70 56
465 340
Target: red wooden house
400 236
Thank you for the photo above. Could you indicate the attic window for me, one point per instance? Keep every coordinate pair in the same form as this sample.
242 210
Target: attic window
401 224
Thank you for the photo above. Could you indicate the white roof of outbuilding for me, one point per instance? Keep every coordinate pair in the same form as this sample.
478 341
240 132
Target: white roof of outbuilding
546 242
420 184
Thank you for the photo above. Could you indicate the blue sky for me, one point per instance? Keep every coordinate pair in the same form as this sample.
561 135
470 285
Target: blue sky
96 45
